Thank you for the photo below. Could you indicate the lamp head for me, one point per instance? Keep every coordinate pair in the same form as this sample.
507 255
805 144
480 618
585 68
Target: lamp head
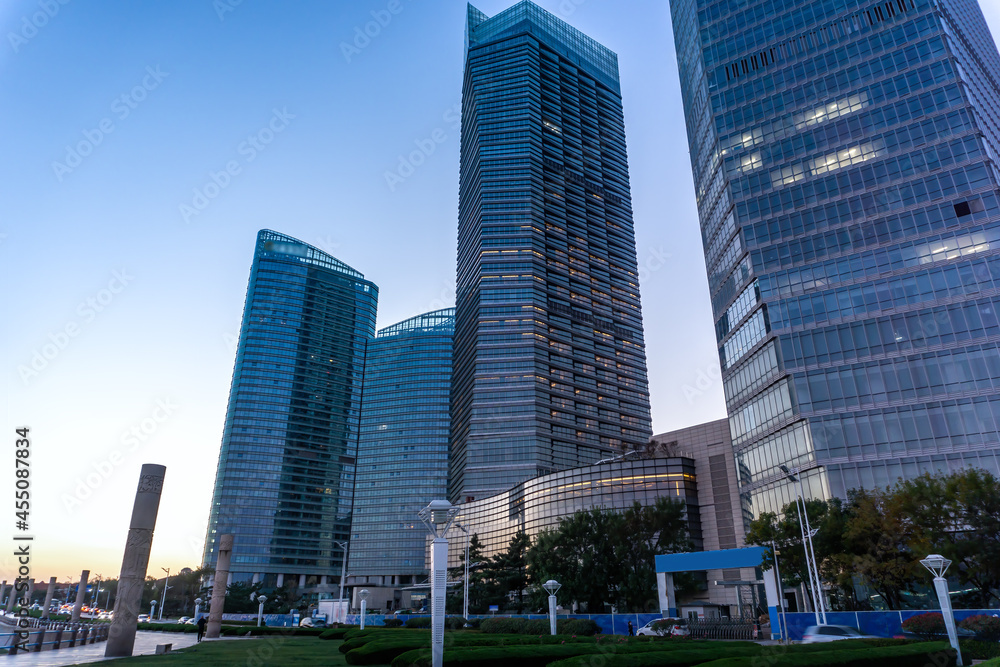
262 599
437 517
551 586
363 594
198 600
936 564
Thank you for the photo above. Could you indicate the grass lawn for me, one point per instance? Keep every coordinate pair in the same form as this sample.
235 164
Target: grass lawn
257 652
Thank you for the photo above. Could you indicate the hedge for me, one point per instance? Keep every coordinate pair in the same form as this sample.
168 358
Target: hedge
167 627
450 622
539 656
524 626
938 654
977 650
995 662
925 625
987 628
383 650
334 633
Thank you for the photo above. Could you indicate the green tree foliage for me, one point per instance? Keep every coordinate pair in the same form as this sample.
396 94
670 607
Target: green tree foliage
603 557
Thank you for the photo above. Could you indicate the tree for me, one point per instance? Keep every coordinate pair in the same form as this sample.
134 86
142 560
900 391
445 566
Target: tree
510 568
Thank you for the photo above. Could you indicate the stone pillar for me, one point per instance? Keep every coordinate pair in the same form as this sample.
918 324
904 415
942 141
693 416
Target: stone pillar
302 581
219 587
31 589
81 592
281 580
3 591
135 561
12 596
48 597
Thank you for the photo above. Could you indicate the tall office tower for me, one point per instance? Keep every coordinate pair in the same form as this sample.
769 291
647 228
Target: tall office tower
844 163
403 455
550 367
285 480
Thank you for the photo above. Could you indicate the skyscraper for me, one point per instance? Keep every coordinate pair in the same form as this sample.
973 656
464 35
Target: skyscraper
844 155
403 454
550 369
285 480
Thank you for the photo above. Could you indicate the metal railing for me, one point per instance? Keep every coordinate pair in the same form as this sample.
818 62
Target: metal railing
52 636
723 628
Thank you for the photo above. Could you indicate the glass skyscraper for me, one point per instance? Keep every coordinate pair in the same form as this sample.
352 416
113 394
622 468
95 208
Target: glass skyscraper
285 481
550 368
403 454
844 157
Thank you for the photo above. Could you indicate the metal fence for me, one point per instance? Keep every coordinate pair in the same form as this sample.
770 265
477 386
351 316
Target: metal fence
723 628
52 636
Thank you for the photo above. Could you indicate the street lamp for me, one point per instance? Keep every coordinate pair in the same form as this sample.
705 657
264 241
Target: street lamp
551 586
166 583
783 631
152 609
437 518
363 594
465 594
938 565
260 610
819 609
197 608
343 576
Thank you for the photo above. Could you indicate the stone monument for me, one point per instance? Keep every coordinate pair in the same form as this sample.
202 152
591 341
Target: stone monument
219 582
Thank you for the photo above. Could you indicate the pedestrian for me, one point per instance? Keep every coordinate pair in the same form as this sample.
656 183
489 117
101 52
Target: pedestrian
631 630
201 627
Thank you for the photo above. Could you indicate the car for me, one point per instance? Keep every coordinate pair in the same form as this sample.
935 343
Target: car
183 619
665 627
190 621
142 618
816 634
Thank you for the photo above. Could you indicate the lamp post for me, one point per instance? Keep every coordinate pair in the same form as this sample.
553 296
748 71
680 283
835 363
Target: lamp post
152 609
343 576
197 608
260 609
363 594
465 593
552 586
96 599
781 594
166 585
437 517
938 565
819 609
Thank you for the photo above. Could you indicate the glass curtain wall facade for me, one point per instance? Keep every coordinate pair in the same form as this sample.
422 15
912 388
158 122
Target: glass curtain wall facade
844 155
403 454
550 368
285 480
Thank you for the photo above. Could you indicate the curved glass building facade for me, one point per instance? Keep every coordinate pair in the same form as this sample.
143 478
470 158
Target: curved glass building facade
844 157
538 504
285 479
550 366
403 454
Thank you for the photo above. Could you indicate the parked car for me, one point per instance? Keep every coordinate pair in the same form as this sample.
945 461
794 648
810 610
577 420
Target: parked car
142 618
830 633
183 619
665 627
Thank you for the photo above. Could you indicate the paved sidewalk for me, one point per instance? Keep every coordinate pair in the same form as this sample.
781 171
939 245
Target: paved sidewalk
145 644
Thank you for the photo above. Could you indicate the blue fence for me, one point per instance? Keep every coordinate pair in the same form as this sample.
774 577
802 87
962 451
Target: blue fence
878 623
616 624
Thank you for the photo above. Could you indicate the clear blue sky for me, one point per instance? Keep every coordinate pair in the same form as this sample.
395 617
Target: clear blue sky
126 264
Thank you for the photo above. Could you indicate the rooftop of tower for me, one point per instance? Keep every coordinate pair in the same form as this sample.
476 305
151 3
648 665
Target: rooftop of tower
589 55
436 319
272 242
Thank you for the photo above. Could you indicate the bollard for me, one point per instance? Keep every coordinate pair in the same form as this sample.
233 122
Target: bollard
58 641
41 641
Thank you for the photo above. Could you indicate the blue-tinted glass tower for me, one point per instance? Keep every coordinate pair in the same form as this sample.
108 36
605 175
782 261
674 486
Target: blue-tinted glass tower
285 480
550 367
844 157
403 455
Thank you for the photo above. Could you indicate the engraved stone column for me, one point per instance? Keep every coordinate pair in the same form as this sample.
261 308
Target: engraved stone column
81 592
48 597
219 587
121 638
31 589
3 592
11 596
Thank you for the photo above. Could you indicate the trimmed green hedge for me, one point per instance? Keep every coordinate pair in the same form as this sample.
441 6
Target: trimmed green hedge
450 622
995 662
937 654
384 649
334 633
979 650
167 627
540 656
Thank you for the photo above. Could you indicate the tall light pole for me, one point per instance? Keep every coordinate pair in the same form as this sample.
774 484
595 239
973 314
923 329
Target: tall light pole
343 576
437 517
819 608
363 594
152 609
781 594
166 583
552 586
197 608
260 610
938 565
465 594
96 599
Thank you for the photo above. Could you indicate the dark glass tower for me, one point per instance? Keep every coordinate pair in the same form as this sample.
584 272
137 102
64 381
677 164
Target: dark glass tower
844 158
403 455
285 480
550 367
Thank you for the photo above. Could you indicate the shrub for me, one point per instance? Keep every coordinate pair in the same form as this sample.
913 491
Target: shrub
979 650
167 627
393 623
925 625
577 626
995 662
419 622
939 654
333 633
987 628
